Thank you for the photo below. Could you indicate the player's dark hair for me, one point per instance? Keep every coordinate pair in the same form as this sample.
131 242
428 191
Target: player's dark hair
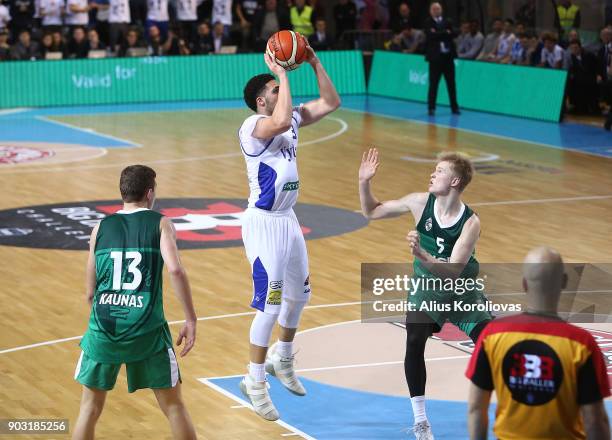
135 181
254 89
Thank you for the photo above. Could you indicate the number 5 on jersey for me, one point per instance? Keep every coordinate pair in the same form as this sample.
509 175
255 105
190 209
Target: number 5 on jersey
136 258
440 243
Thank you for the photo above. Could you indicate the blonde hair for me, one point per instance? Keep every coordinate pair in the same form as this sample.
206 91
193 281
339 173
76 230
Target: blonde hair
461 166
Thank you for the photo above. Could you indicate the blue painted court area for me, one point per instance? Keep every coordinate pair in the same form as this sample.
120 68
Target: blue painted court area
33 125
566 135
329 412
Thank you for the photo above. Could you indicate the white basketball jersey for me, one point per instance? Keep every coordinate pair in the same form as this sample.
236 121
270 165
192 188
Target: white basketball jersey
222 11
119 11
187 10
53 12
271 165
157 10
76 18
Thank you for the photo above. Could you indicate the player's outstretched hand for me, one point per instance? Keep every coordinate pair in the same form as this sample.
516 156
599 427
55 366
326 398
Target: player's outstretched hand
187 333
369 165
276 69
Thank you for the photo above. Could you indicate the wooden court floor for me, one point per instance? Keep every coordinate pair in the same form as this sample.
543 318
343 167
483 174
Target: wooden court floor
530 195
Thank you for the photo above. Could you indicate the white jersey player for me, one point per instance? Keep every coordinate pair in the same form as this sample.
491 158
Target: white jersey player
271 233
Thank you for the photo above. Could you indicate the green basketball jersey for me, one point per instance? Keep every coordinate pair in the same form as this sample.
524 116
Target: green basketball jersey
127 320
439 242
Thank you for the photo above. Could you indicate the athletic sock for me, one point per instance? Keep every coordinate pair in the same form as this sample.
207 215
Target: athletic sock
418 409
257 372
284 349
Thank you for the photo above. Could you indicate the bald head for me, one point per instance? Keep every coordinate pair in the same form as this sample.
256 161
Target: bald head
543 279
435 10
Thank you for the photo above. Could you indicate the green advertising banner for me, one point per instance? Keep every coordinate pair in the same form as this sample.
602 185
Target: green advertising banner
512 90
155 79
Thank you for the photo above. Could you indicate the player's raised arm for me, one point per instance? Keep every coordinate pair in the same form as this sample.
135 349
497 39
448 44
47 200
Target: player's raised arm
90 270
280 120
374 209
180 283
329 99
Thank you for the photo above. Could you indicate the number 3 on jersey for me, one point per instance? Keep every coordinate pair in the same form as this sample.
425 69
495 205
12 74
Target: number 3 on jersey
136 258
440 243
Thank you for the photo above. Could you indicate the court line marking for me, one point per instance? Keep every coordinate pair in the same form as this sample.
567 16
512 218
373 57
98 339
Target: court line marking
11 111
89 131
343 128
39 166
244 403
203 318
468 130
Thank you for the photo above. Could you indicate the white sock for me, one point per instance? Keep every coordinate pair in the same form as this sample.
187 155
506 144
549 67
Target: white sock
285 349
257 372
418 409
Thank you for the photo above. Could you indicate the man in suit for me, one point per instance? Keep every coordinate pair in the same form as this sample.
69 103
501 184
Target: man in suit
440 53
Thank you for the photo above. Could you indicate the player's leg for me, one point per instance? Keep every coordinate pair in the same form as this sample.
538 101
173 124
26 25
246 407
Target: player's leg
171 403
419 327
161 373
92 404
435 72
97 379
296 294
267 247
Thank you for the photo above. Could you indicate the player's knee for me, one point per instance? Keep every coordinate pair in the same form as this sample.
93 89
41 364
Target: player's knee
261 328
290 313
92 409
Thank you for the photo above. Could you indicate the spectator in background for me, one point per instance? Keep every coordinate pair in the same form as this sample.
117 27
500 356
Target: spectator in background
567 54
51 12
187 15
490 43
519 55
175 45
158 45
119 18
345 15
321 40
301 18
222 12
412 40
608 21
25 48
5 17
374 15
504 43
5 49
77 46
77 14
98 18
246 10
218 37
440 54
471 40
157 16
59 44
203 43
93 41
272 18
519 29
568 16
552 53
402 19
22 16
604 52
132 41
582 86
526 14
46 45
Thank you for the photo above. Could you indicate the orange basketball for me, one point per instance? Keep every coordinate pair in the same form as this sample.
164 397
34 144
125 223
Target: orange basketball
287 48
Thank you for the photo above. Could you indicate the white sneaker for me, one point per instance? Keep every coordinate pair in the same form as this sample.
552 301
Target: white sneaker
282 369
422 431
257 393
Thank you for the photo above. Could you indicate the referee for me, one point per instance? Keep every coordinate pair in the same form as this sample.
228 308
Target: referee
440 53
549 376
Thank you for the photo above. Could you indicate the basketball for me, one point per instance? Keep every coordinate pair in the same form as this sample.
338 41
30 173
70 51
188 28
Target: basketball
287 48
